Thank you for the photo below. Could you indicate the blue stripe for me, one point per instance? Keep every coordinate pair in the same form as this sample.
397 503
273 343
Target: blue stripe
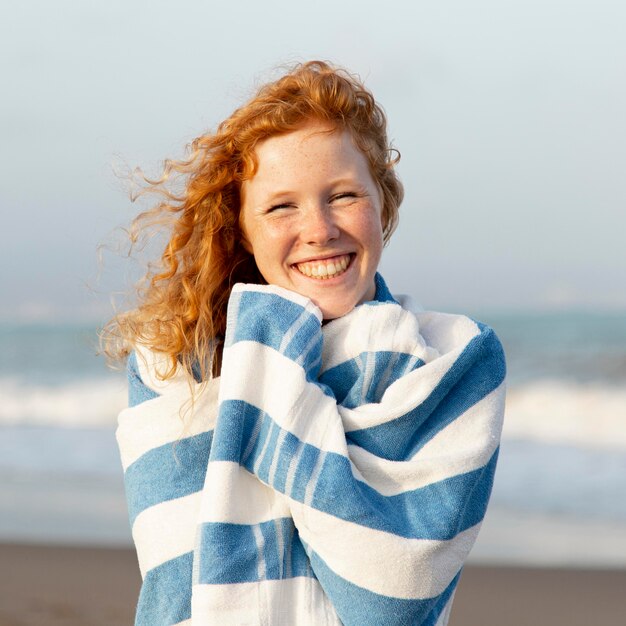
138 391
262 454
228 554
346 379
238 420
266 318
357 606
437 511
382 291
165 596
290 446
240 426
479 370
170 471
300 345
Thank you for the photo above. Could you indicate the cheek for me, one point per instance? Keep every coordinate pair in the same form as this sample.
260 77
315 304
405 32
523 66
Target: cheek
254 237
268 249
371 230
273 238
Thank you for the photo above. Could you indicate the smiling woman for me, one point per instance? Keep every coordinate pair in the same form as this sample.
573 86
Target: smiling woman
312 217
337 447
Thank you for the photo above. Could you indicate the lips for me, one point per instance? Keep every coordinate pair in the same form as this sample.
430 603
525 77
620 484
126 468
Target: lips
324 269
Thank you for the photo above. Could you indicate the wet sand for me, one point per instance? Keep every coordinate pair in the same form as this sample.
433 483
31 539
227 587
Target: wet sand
75 586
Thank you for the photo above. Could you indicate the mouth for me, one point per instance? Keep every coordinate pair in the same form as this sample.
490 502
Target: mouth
323 269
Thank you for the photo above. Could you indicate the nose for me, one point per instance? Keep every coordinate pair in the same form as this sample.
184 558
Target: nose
319 225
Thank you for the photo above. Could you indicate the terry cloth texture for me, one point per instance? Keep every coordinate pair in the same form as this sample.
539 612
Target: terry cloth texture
349 466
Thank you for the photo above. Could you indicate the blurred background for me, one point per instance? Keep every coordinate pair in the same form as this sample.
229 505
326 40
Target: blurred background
510 120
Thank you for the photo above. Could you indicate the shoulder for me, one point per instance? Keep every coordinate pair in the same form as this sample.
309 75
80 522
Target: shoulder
145 369
138 390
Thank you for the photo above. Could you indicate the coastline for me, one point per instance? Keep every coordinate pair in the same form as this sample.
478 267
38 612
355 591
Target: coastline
42 585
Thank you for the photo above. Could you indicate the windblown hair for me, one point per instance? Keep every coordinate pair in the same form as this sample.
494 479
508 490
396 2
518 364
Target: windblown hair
182 300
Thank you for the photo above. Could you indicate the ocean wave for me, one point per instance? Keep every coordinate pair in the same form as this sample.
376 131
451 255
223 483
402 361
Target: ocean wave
87 402
564 412
547 411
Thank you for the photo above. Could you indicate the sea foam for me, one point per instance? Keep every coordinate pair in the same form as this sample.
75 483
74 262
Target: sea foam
546 411
84 402
565 412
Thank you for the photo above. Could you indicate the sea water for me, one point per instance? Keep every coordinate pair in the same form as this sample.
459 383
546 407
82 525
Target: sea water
559 493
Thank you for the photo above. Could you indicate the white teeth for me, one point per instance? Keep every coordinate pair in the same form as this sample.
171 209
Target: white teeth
324 270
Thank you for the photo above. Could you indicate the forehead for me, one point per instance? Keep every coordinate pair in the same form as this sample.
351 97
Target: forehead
316 145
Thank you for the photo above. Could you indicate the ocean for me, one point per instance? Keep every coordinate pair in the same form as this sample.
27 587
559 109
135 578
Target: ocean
559 493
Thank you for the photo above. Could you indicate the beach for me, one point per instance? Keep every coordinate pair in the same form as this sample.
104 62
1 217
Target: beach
83 586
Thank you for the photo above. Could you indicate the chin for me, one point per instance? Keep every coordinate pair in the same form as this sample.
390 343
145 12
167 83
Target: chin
332 311
342 302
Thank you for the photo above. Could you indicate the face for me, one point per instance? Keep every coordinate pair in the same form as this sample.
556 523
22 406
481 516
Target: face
311 216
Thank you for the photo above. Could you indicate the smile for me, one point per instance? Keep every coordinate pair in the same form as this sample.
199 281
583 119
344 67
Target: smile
325 268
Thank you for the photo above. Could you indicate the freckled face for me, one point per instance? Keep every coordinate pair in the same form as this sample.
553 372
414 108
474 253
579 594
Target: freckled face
311 216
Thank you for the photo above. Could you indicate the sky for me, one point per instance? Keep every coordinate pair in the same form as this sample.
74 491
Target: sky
509 117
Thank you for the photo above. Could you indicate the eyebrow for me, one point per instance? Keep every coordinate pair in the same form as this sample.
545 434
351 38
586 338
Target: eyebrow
351 181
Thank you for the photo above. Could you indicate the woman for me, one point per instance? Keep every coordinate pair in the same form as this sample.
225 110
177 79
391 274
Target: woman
301 446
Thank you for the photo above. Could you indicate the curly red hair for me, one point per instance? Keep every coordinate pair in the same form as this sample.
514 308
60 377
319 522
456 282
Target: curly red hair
183 299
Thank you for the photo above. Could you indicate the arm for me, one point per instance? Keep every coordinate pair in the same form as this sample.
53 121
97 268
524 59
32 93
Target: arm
387 496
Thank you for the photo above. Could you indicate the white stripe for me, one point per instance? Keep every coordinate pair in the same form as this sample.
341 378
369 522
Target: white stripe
293 467
304 317
375 328
232 313
446 332
302 357
280 547
166 531
315 364
255 502
290 602
159 421
277 454
383 381
254 436
281 390
410 365
466 444
367 369
260 547
315 474
356 553
261 456
289 554
151 364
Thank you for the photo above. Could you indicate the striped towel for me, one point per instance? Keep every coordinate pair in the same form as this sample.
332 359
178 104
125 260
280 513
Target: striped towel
349 467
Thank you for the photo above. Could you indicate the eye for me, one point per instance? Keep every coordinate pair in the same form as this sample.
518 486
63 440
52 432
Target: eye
345 195
277 207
